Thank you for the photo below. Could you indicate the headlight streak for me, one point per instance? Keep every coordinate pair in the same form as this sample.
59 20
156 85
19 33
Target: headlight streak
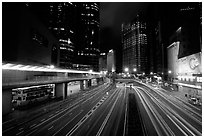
167 98
172 112
148 112
108 116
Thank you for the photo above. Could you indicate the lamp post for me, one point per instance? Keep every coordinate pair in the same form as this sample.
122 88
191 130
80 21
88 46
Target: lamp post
169 72
126 69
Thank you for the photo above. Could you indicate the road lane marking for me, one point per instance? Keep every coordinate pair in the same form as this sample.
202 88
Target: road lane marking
21 128
7 121
50 115
20 133
50 127
42 120
107 117
67 123
8 129
124 128
32 125
82 120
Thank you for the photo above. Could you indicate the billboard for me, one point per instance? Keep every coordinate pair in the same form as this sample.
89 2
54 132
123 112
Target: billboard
190 65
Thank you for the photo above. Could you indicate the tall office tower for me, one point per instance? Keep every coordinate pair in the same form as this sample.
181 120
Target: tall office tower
103 62
62 22
134 43
111 61
87 47
60 19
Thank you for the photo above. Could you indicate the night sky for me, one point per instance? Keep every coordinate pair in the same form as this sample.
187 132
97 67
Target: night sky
112 15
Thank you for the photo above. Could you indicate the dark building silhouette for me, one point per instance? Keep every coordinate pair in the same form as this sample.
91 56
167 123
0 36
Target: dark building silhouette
76 27
25 38
163 20
62 22
87 46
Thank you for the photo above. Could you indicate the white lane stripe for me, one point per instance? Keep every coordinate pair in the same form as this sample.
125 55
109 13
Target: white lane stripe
50 127
20 133
50 115
33 125
107 117
124 128
42 120
66 124
21 128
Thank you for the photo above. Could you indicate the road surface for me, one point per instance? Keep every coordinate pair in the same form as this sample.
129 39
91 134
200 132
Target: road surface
108 110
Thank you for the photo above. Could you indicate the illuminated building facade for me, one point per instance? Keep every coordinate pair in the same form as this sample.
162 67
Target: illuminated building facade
186 65
111 61
87 47
103 62
185 72
134 43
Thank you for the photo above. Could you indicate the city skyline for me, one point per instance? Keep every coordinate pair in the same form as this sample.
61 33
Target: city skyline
101 69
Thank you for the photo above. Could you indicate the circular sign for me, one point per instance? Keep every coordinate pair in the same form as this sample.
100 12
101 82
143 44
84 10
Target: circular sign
193 63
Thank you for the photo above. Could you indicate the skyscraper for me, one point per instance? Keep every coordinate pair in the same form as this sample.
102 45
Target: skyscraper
76 26
60 19
134 43
111 61
62 22
87 47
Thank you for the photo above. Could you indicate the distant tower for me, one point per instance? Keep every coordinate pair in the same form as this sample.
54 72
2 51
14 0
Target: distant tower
134 43
111 61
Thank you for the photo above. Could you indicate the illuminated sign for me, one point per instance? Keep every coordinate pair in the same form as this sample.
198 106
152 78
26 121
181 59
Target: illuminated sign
193 63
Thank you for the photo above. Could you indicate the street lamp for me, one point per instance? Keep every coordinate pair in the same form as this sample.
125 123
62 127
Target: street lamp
126 69
169 71
91 71
134 69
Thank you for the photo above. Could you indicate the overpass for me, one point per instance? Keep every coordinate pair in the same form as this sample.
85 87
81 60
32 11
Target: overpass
18 75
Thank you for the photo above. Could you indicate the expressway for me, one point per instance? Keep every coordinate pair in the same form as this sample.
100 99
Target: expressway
115 110
169 115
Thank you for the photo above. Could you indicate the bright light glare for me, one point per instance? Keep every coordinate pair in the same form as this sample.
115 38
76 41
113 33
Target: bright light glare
134 69
52 66
126 69
169 71
10 66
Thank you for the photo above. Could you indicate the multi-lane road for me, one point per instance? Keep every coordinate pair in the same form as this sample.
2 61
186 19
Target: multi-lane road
110 111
